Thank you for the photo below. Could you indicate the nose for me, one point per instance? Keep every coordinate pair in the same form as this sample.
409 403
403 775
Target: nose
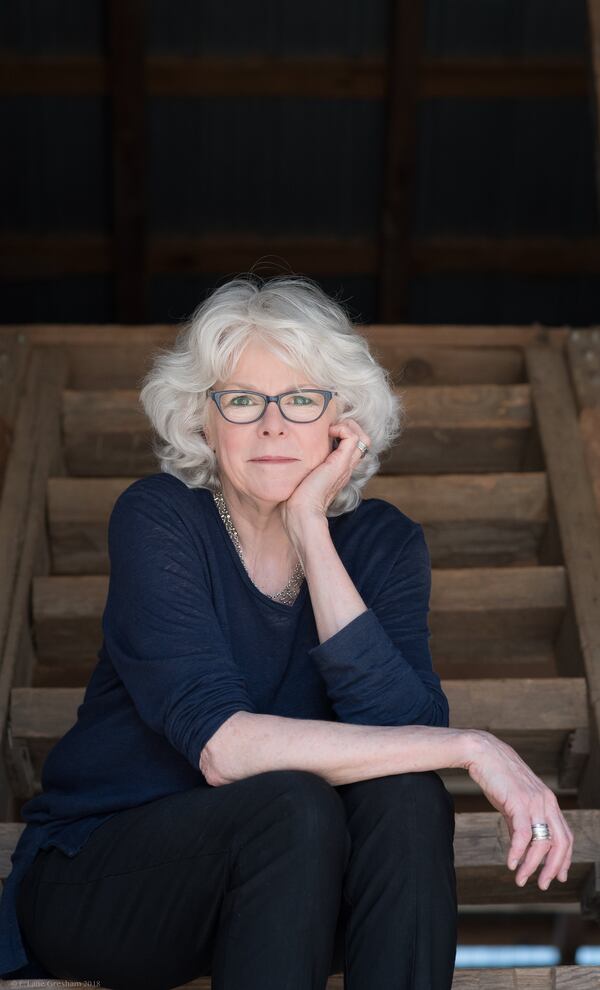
272 418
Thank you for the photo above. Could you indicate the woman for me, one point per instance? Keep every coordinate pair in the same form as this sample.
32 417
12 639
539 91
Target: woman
250 789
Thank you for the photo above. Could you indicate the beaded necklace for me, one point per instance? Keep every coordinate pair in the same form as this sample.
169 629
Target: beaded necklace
287 595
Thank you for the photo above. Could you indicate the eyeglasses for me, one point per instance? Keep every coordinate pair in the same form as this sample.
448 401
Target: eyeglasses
305 405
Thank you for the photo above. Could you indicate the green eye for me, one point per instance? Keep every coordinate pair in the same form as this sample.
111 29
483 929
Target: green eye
305 400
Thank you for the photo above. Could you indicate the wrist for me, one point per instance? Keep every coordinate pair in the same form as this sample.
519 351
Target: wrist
473 745
305 526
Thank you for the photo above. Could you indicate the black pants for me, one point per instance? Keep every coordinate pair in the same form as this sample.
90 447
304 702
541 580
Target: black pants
273 882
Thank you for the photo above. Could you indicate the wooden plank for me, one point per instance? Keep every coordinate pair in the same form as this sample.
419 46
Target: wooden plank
593 59
551 255
506 705
583 354
34 455
536 717
33 256
452 429
320 77
500 607
469 520
97 365
13 364
577 517
379 335
126 33
510 978
404 54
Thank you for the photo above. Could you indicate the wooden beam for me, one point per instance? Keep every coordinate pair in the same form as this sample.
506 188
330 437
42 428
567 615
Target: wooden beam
327 77
593 43
127 89
82 338
578 523
33 256
399 163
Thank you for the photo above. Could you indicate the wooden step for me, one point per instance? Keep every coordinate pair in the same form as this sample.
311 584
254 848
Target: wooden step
481 845
545 720
509 978
493 520
511 612
450 428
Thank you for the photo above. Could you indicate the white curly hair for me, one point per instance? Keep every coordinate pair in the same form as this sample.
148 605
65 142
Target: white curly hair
306 329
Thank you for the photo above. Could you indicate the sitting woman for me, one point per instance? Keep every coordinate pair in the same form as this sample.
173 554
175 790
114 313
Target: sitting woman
250 789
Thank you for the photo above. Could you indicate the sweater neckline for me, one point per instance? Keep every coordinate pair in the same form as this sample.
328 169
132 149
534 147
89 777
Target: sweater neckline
279 606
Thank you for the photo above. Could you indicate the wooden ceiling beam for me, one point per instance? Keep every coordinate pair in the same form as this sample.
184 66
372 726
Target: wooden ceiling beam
318 77
126 82
33 256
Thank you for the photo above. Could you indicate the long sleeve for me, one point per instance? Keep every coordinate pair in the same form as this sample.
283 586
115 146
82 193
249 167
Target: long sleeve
160 628
378 668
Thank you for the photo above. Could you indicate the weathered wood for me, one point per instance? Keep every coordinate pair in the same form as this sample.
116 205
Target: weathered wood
43 447
526 978
583 352
487 520
578 520
410 336
535 716
499 606
485 429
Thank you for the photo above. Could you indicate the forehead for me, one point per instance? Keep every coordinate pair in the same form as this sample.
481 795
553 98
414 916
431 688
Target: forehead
259 368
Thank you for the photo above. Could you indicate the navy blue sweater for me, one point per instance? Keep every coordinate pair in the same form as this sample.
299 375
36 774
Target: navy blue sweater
188 640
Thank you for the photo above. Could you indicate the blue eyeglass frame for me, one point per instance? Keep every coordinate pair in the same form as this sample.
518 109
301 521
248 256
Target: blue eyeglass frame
216 395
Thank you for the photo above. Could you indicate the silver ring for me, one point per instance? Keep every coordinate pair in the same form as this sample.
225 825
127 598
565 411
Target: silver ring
362 446
540 832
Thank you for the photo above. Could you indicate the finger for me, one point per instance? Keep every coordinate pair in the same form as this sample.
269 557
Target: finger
566 863
348 429
551 850
556 856
520 824
535 854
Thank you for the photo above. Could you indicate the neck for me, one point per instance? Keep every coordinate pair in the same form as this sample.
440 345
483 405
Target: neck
259 527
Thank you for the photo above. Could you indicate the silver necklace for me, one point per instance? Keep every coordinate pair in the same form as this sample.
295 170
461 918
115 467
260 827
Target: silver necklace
287 595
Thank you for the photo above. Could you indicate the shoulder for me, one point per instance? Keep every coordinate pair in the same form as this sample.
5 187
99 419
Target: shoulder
162 498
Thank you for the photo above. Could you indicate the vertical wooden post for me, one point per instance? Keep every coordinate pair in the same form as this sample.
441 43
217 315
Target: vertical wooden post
593 7
127 89
400 159
578 523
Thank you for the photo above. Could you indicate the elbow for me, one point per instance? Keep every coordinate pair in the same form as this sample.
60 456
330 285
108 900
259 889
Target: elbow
219 760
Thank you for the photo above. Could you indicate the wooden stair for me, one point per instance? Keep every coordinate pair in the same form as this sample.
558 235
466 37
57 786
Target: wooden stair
492 464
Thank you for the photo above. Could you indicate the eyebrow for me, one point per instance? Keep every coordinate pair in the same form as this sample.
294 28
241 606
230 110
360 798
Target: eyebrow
255 389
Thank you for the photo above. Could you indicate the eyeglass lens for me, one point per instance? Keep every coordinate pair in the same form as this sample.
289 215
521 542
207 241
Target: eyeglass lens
301 407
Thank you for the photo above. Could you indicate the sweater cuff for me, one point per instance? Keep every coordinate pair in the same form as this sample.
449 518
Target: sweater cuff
354 639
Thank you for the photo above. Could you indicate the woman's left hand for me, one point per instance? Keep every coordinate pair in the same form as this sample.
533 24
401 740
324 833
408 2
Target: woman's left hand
317 490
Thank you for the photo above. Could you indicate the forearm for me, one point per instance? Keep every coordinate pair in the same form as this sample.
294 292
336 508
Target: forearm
334 598
248 744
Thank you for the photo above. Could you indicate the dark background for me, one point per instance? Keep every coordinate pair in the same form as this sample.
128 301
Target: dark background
426 162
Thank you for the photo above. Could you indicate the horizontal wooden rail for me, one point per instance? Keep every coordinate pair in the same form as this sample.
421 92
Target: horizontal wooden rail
321 77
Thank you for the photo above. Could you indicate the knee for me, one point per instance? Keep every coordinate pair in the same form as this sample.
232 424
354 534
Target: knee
314 808
395 797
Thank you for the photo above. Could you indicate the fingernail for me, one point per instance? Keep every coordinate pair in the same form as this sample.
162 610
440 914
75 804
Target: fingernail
544 885
522 881
512 863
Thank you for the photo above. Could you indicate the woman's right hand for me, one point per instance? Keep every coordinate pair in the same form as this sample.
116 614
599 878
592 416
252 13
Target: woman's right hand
523 799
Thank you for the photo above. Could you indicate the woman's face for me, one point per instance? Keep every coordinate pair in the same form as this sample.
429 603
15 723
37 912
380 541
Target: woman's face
238 444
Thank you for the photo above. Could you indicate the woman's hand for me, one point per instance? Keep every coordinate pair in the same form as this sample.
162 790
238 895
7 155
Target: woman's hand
513 788
314 494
